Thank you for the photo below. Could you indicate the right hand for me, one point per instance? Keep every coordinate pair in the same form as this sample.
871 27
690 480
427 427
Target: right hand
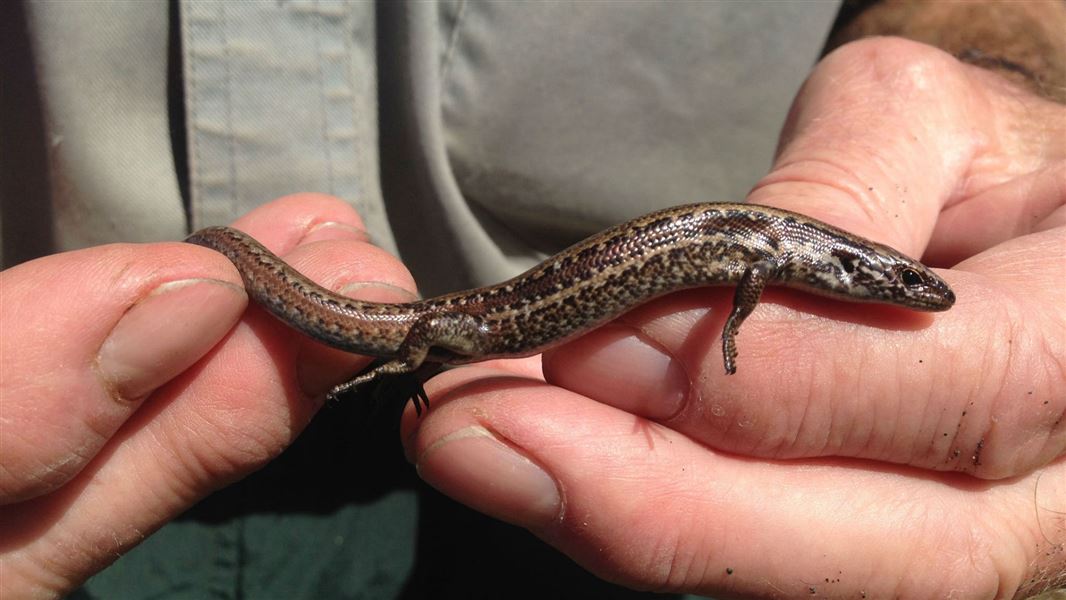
134 383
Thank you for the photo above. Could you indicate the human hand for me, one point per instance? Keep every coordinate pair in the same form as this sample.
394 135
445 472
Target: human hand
859 451
134 383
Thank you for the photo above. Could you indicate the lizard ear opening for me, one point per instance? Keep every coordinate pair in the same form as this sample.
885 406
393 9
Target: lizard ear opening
848 261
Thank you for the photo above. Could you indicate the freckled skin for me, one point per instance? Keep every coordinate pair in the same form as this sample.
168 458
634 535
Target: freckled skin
590 283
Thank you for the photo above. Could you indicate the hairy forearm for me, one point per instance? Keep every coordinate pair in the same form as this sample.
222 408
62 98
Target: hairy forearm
1022 41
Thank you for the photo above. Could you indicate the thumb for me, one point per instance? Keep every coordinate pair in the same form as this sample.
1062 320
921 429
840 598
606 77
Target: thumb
87 335
877 142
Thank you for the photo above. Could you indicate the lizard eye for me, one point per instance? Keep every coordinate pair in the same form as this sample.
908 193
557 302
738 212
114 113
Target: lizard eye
910 277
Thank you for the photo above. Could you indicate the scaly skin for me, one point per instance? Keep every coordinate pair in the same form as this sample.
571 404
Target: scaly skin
590 283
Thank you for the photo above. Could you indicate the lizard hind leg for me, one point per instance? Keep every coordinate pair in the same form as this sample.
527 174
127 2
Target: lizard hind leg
746 297
455 332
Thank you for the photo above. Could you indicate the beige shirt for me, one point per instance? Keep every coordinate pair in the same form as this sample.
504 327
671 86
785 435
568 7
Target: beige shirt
473 138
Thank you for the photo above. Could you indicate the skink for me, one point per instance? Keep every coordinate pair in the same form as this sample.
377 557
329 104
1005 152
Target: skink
595 280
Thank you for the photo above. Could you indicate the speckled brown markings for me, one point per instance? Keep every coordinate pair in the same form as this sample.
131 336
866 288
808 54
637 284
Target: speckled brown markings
590 283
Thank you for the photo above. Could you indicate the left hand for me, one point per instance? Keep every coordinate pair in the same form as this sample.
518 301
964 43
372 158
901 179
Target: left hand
907 455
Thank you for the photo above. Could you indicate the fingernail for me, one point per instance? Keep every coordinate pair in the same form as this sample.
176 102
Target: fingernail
166 332
334 230
617 367
378 292
476 468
